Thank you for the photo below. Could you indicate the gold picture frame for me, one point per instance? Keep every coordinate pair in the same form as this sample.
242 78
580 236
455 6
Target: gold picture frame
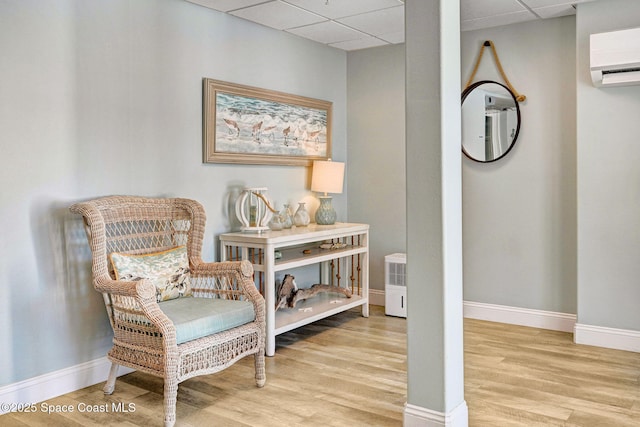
249 125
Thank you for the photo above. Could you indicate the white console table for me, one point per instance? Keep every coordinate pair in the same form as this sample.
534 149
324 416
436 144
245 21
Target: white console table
346 266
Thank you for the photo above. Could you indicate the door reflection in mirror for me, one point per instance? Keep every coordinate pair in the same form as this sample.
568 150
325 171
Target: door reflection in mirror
490 121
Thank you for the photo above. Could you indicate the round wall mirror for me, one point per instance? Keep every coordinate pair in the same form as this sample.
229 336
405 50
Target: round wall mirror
490 121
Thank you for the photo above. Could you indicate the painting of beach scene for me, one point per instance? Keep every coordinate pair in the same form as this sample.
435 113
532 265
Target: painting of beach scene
250 125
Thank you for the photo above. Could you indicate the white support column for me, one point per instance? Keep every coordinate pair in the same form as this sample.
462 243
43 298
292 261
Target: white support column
435 392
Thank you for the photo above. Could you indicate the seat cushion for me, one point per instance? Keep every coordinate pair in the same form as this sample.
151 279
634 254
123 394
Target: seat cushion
198 317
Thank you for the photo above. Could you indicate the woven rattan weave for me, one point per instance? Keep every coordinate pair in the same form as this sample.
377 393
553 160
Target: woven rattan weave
144 338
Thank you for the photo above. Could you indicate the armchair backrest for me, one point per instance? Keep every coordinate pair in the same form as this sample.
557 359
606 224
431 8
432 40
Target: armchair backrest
140 225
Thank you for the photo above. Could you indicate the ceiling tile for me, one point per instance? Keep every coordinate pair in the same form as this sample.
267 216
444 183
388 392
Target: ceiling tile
340 8
226 5
494 21
359 44
555 11
474 9
394 38
533 4
278 15
328 32
379 22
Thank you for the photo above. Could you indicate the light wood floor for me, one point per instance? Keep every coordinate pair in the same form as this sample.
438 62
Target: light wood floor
350 371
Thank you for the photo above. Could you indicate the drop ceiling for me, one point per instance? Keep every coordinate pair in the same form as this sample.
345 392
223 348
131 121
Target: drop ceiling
360 24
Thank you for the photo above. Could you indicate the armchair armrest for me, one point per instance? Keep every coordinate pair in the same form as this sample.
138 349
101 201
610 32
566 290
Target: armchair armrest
139 289
143 292
217 278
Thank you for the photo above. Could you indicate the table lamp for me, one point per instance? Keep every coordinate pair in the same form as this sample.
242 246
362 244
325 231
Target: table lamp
327 177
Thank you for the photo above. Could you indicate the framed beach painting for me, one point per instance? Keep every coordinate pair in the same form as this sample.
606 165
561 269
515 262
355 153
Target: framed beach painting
248 125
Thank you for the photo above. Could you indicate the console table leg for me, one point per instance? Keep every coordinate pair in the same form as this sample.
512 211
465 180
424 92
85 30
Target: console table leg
270 344
270 301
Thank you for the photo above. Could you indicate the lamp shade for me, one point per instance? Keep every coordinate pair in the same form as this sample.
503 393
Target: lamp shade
327 176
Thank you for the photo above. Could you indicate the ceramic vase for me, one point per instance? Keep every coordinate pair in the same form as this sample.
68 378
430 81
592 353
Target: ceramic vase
301 218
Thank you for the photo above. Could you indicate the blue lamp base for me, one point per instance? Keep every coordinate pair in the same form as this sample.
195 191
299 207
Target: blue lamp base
325 215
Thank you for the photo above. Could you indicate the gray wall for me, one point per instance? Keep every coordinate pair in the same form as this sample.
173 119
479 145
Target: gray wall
376 151
519 213
608 181
105 97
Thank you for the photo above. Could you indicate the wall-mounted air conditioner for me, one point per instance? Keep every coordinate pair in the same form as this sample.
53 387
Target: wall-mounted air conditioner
615 58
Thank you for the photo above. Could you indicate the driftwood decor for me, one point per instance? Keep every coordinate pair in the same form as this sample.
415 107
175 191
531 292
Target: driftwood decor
289 294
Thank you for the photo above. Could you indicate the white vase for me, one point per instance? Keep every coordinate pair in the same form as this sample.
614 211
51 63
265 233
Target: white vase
301 217
287 218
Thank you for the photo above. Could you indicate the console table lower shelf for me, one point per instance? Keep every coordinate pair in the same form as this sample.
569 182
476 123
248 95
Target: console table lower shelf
312 309
341 252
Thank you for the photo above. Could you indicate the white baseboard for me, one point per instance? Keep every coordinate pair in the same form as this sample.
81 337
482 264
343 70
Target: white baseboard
376 297
417 416
57 383
599 336
542 319
520 316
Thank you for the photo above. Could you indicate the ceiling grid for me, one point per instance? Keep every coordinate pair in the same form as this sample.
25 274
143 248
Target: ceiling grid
359 24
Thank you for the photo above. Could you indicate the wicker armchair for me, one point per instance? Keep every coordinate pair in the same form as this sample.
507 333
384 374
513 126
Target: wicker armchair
144 336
